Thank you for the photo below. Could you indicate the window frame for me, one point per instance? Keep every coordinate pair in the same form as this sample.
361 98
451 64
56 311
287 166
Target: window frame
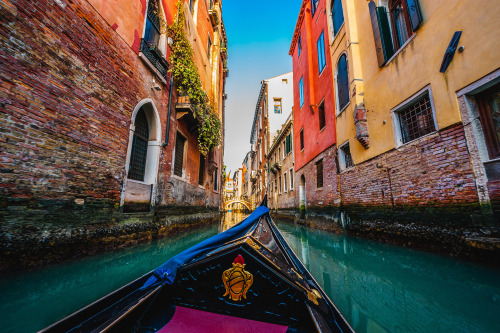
335 33
299 46
320 44
320 180
342 157
184 152
314 7
398 136
301 91
290 172
285 184
321 115
209 48
337 94
301 138
492 142
279 105
391 6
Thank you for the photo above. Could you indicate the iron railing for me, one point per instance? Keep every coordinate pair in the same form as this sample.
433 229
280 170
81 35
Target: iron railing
153 54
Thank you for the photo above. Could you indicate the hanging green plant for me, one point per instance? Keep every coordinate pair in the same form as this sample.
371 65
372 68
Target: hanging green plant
188 82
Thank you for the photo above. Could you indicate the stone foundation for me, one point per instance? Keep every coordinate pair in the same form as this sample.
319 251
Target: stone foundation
32 244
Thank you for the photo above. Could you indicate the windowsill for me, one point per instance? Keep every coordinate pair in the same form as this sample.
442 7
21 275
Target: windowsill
319 188
400 49
335 36
347 169
179 178
137 181
152 68
322 129
494 160
322 70
417 139
344 108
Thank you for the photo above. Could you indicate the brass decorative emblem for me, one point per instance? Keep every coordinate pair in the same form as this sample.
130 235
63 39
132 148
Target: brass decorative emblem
236 280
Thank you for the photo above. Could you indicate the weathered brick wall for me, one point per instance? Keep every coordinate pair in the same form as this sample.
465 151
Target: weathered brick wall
68 86
326 195
432 171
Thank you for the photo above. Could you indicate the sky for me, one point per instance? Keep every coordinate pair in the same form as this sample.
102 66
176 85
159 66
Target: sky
259 34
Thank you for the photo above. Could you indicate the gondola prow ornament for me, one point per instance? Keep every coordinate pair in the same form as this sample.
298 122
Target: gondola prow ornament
236 280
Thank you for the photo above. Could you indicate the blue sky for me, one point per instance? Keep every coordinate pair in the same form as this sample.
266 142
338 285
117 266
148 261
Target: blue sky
259 35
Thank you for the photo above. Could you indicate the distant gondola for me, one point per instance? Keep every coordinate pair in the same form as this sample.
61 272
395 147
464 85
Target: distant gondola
246 279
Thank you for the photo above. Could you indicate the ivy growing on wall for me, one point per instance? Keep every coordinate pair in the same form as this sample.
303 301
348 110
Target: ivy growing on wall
188 82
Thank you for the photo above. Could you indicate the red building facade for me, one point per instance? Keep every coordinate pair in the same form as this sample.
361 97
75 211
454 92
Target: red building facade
314 107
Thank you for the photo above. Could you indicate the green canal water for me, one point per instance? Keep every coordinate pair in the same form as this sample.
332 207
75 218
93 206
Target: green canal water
378 288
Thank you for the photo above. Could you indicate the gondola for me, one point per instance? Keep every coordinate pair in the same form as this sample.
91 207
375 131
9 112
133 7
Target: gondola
246 279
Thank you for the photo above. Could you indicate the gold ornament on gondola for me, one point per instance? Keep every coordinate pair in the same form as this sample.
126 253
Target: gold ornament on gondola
236 280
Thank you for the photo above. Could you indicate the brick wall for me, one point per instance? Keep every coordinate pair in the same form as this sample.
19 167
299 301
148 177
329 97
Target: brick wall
68 86
326 195
432 171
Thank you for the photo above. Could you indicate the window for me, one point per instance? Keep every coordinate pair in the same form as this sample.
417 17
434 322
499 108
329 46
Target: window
489 109
191 4
301 91
279 152
302 139
285 186
284 81
319 174
321 115
137 166
201 174
152 31
209 47
337 16
405 18
288 144
342 83
314 6
321 52
299 46
415 119
280 185
180 143
277 105
400 23
284 149
291 178
216 179
345 157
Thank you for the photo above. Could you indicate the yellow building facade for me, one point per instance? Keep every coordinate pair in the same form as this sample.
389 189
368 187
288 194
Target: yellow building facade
401 133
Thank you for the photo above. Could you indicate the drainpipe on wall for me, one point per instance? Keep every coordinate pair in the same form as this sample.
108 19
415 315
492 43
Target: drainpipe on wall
167 132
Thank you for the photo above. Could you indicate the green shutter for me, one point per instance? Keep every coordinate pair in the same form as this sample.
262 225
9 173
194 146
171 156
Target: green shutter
381 33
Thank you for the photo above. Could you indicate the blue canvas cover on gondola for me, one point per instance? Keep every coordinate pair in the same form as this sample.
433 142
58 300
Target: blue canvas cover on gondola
166 273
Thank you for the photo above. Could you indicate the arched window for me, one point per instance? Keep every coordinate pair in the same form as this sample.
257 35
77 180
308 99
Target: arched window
342 83
138 156
337 16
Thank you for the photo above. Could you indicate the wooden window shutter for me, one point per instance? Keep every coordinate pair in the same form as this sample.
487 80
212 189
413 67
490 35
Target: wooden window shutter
381 33
201 173
179 154
415 14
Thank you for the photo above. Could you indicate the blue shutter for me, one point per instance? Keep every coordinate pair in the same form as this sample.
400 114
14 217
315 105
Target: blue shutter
337 16
301 91
415 14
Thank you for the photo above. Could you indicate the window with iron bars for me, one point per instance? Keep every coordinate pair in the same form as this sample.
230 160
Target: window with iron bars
416 119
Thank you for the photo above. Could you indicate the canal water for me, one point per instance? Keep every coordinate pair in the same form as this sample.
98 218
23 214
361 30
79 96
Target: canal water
378 287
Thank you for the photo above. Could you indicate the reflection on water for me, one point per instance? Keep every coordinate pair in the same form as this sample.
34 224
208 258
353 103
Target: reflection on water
378 288
34 300
381 288
230 219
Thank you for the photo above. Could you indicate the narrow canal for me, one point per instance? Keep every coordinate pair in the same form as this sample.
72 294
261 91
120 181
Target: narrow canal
378 288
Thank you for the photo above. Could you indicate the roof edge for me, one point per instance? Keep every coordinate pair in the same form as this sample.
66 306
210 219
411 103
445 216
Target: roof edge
296 34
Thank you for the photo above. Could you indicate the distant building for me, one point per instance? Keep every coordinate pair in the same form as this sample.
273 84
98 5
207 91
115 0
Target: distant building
273 107
281 186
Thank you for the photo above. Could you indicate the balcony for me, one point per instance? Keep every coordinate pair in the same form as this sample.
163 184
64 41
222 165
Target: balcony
253 176
185 110
154 59
213 12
